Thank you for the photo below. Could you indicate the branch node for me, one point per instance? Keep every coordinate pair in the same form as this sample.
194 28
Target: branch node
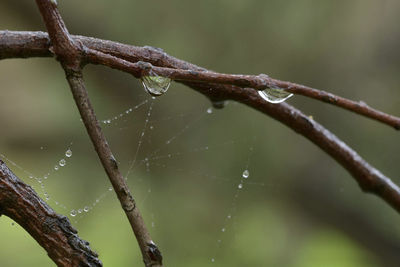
154 253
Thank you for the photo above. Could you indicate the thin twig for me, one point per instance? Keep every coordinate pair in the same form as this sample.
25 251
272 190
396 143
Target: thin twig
52 231
123 57
26 44
69 53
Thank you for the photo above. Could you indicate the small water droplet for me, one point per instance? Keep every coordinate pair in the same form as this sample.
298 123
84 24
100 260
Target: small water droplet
212 260
153 224
86 209
223 230
97 200
219 104
229 216
274 95
68 153
155 85
39 181
30 176
240 186
245 174
45 177
56 167
209 110
80 211
151 127
62 162
110 188
73 213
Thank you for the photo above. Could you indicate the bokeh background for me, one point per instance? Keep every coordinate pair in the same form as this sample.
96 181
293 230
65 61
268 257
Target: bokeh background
298 208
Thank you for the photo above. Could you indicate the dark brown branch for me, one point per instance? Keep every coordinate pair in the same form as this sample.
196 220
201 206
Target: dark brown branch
52 231
117 56
369 178
150 252
70 55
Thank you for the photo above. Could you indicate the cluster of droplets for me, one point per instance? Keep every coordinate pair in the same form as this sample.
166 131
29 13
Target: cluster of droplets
125 113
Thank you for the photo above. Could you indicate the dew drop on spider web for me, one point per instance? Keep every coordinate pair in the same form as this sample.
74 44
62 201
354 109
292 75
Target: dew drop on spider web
73 213
240 186
274 95
155 85
56 167
209 110
245 174
86 209
68 153
62 162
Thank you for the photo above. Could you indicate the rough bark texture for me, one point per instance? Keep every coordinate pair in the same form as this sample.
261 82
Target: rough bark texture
75 51
52 231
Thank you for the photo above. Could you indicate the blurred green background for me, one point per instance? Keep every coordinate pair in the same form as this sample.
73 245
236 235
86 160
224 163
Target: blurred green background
298 208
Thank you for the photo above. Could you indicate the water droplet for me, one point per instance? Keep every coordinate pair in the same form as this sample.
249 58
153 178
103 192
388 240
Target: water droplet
62 162
151 127
245 174
86 209
68 153
45 177
229 216
39 181
110 188
73 213
97 200
56 167
212 260
153 224
12 224
219 104
155 85
240 186
223 230
274 95
209 110
30 176
80 211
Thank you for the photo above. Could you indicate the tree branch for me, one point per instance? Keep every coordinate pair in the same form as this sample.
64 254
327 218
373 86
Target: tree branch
70 54
369 179
52 231
117 56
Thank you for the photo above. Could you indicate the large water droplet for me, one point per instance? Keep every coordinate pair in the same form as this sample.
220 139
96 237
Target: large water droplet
156 85
68 153
274 95
73 213
62 162
245 174
86 209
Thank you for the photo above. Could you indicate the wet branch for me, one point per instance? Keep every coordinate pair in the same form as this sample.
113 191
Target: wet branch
52 231
71 53
117 56
216 86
